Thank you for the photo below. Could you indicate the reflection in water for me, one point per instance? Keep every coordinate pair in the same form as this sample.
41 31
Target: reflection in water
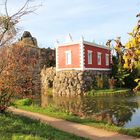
116 110
135 120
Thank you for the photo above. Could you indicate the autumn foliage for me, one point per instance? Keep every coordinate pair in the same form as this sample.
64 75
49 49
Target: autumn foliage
16 73
132 53
16 61
129 54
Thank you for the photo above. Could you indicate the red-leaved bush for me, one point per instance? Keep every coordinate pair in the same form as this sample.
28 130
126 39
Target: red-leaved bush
16 73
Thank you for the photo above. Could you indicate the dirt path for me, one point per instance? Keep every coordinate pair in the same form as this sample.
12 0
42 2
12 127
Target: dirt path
74 128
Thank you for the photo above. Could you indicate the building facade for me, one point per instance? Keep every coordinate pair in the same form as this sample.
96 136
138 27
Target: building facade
83 55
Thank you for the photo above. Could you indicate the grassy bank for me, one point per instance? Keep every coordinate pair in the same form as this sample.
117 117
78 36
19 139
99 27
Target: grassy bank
101 92
106 92
51 111
14 127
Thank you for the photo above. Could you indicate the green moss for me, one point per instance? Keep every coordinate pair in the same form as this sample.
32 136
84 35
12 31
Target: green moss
50 91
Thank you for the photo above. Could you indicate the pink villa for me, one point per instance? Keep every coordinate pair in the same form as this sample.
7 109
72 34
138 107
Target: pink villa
83 55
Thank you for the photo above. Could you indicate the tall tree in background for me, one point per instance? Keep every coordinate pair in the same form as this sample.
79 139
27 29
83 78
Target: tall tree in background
130 51
15 73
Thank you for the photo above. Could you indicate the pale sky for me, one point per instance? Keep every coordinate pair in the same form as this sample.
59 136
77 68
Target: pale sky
96 20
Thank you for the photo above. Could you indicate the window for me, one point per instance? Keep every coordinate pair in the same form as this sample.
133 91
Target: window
89 57
99 58
68 57
107 59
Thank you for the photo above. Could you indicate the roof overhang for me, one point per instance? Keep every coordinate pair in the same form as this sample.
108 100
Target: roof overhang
84 43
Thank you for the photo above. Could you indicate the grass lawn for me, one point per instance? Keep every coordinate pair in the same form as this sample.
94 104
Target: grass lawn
13 127
51 111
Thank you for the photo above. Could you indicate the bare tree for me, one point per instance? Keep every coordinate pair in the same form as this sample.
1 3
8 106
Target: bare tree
8 22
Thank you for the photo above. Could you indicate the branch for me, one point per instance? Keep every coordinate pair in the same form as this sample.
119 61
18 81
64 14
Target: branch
6 8
24 10
8 23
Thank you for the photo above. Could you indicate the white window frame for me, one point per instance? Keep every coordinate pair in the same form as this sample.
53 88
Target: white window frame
107 59
68 57
99 58
89 57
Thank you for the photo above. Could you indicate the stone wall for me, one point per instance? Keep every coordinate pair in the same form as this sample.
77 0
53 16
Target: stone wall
47 79
75 82
42 69
68 83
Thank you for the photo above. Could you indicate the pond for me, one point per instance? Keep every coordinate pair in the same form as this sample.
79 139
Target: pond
135 118
122 110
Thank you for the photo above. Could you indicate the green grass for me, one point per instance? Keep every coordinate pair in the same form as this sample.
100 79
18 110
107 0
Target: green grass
13 127
112 90
103 92
51 111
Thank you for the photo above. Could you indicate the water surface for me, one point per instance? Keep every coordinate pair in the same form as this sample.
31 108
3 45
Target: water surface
122 110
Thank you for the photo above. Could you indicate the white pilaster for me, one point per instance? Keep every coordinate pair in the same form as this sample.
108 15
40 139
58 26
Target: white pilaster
82 56
56 57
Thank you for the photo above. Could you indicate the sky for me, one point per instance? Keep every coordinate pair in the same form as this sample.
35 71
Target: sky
95 20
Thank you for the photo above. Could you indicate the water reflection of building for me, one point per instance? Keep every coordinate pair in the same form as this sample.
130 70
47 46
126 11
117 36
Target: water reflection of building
116 110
